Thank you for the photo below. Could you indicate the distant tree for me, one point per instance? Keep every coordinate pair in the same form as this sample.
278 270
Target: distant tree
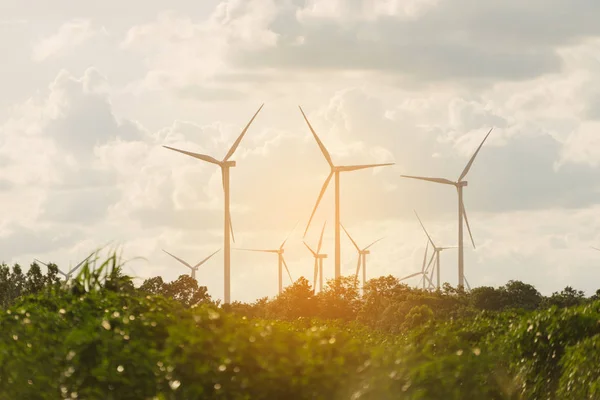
186 290
417 316
488 298
155 286
568 297
296 301
35 281
339 299
519 295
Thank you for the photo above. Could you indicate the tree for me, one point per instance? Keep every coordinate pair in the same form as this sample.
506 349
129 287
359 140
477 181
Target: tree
339 299
186 290
296 301
488 298
568 297
155 286
521 295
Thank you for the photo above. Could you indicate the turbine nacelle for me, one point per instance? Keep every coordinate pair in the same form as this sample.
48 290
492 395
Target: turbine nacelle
227 164
462 184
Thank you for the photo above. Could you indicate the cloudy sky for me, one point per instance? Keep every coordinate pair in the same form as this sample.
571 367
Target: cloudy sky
91 92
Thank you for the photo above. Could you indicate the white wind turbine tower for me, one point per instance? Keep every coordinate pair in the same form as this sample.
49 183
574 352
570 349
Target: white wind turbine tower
435 257
69 274
318 262
195 267
335 170
459 184
362 257
280 260
423 272
225 165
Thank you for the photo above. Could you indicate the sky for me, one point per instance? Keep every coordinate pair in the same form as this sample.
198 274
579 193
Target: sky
91 92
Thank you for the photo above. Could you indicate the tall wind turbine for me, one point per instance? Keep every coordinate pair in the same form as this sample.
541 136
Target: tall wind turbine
423 271
195 267
280 260
435 257
225 164
69 273
335 170
362 257
319 257
459 184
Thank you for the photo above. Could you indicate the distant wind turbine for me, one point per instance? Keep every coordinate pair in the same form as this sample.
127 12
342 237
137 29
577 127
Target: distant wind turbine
362 257
423 271
280 260
318 261
436 253
225 164
195 267
335 170
68 274
459 184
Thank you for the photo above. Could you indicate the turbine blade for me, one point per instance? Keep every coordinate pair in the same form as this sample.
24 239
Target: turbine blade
178 259
289 234
316 273
321 145
202 157
428 280
231 228
436 180
260 250
43 263
467 282
378 240
350 237
595 248
410 276
447 247
311 250
430 261
323 189
425 257
365 166
63 274
81 263
206 259
287 269
239 139
470 163
357 267
467 221
425 230
321 238
431 274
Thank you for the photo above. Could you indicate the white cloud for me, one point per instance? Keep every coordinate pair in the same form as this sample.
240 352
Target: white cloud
70 35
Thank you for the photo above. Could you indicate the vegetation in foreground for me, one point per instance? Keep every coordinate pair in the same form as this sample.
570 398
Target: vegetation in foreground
100 338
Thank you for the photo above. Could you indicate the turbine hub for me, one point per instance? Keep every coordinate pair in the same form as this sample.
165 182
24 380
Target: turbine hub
228 163
365 252
462 183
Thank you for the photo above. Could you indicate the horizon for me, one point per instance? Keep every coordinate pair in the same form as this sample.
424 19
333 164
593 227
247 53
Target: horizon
91 95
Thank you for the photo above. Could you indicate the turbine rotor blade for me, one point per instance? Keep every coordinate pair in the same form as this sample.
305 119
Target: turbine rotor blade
202 157
287 269
231 228
260 250
81 263
357 167
467 222
357 267
43 263
470 163
467 282
425 230
178 259
430 261
436 180
425 257
378 240
206 259
321 145
426 277
350 237
321 238
239 139
289 234
595 248
323 189
311 250
316 273
410 276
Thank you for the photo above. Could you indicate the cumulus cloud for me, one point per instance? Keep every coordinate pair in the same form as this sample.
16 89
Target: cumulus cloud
69 35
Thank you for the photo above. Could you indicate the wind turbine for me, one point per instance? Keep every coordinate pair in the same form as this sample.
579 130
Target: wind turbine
436 252
68 274
459 184
195 267
335 170
423 271
280 260
362 256
318 261
225 164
